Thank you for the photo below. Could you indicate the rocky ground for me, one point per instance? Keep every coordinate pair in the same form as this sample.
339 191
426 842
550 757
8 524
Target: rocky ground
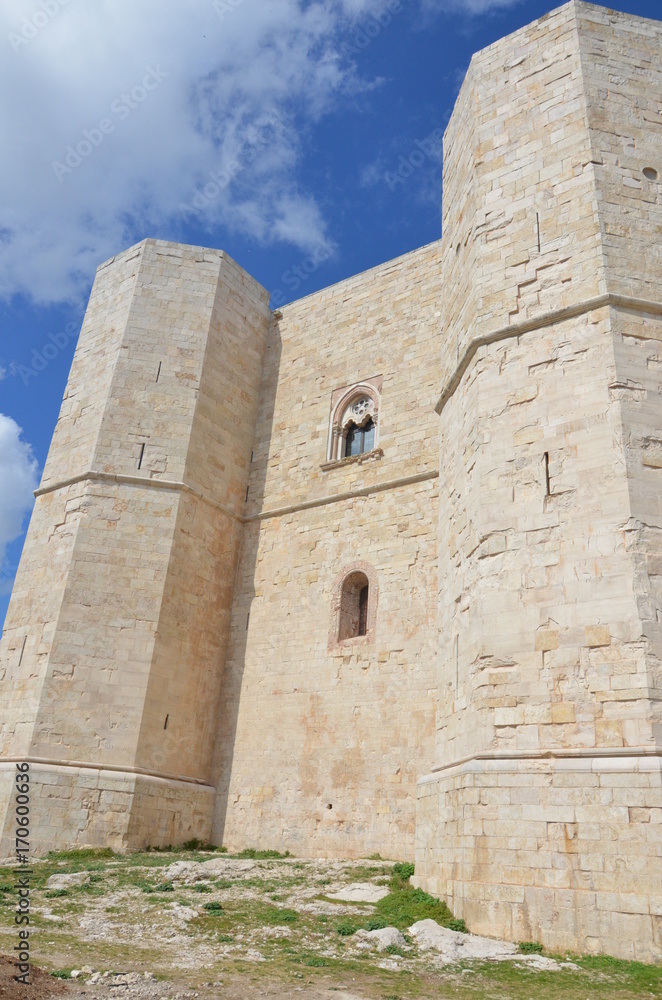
196 924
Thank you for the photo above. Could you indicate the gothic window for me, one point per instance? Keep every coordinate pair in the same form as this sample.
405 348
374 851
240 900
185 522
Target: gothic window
354 424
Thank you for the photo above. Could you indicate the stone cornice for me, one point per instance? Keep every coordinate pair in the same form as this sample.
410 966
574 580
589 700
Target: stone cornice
538 323
139 772
503 760
165 484
159 484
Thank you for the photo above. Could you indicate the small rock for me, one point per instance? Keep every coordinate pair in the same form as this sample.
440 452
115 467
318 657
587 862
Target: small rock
75 973
87 969
383 938
276 932
189 872
360 892
539 962
456 947
63 881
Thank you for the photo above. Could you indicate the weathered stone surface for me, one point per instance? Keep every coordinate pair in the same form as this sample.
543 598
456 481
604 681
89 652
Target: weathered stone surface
64 881
385 937
360 892
197 871
454 946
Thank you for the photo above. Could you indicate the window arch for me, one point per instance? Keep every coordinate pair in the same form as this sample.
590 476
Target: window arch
354 423
354 608
354 600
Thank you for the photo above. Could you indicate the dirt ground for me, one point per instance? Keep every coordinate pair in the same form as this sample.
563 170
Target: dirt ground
41 986
44 986
202 925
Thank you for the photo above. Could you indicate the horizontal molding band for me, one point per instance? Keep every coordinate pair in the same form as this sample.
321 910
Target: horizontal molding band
544 756
540 322
159 484
181 487
114 768
364 491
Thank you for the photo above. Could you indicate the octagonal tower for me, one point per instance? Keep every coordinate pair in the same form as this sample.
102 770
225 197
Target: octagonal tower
541 819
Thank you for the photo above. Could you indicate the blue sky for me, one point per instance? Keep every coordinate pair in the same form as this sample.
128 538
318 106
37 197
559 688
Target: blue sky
272 129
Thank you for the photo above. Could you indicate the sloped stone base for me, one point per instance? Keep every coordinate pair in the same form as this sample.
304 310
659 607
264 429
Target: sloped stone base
84 807
565 850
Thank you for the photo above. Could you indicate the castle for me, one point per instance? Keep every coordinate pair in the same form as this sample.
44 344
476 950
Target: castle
382 570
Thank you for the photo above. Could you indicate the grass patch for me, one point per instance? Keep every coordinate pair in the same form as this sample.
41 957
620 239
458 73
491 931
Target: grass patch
375 924
529 947
363 873
457 924
198 845
56 893
213 908
405 905
346 928
276 915
305 958
81 854
393 949
61 974
636 975
253 854
187 847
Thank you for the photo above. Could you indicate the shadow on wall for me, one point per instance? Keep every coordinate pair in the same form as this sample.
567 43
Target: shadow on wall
233 673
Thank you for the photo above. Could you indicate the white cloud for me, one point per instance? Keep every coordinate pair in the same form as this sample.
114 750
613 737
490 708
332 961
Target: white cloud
470 7
226 91
221 83
18 478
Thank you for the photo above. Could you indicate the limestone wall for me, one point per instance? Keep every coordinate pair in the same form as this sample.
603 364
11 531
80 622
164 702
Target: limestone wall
622 76
320 744
521 233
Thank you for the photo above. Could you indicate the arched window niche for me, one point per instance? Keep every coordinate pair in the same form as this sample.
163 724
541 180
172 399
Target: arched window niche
354 608
354 421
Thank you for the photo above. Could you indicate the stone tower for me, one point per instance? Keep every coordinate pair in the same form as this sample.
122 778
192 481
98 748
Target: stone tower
539 820
120 611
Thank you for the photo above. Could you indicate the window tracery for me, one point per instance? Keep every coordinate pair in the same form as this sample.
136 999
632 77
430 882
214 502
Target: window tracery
354 423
